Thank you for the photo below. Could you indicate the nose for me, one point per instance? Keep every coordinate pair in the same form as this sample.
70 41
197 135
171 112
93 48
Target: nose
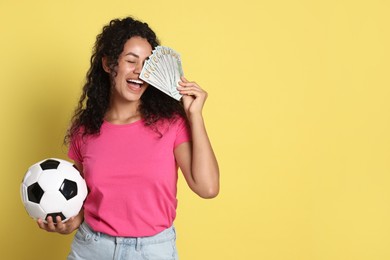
138 68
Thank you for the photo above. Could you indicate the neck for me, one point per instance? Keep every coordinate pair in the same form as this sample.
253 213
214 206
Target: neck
124 113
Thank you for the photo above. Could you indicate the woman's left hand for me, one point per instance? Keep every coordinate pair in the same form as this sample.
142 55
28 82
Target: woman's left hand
194 96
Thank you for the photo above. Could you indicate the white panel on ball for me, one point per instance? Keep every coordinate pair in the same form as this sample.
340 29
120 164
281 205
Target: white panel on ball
51 179
35 210
32 175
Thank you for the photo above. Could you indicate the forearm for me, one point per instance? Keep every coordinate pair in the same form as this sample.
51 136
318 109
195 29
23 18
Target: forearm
204 168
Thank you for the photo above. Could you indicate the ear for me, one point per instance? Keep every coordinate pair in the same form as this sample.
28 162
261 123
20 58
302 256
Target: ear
104 64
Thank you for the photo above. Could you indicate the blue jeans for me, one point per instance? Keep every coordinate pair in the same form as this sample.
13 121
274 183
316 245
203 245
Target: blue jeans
90 245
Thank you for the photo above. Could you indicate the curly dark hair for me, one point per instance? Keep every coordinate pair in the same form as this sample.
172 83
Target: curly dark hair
95 97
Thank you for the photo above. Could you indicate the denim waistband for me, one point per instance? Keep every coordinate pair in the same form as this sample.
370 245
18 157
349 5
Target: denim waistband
165 235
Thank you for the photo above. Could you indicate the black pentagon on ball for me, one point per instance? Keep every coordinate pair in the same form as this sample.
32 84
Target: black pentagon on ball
68 189
34 192
49 164
54 216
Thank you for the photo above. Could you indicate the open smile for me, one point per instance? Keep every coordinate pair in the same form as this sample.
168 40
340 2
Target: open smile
135 84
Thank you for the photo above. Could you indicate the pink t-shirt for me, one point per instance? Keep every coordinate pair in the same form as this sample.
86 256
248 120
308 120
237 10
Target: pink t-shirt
131 174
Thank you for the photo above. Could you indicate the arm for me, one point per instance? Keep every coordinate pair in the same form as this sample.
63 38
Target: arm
197 160
69 226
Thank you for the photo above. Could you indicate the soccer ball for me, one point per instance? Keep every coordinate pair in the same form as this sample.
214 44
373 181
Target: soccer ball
53 187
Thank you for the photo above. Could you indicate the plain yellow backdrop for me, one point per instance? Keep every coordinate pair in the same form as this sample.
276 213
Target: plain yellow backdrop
298 114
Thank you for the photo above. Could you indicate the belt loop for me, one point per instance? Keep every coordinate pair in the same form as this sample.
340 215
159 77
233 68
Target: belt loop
138 244
97 236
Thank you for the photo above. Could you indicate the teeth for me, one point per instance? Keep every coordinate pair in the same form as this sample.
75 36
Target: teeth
135 81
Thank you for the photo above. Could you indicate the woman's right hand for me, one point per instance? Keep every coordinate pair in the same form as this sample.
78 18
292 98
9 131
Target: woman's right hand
63 228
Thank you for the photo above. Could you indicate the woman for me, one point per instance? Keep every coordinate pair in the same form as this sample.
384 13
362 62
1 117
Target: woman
128 139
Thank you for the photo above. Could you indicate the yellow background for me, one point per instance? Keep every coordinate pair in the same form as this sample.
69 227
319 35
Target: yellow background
298 113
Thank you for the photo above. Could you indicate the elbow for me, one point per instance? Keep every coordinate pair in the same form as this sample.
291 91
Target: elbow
206 188
209 193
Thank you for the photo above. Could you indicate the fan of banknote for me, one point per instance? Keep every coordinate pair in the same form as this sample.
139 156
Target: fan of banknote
163 70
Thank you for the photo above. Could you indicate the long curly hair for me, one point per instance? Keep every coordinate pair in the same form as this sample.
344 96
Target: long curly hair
95 98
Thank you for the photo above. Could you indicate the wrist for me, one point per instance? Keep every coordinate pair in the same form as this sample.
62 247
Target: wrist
194 117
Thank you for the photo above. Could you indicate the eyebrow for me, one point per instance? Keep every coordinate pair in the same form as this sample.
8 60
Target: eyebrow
132 54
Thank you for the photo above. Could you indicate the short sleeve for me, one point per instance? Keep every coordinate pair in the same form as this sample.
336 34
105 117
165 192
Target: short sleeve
183 133
74 151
